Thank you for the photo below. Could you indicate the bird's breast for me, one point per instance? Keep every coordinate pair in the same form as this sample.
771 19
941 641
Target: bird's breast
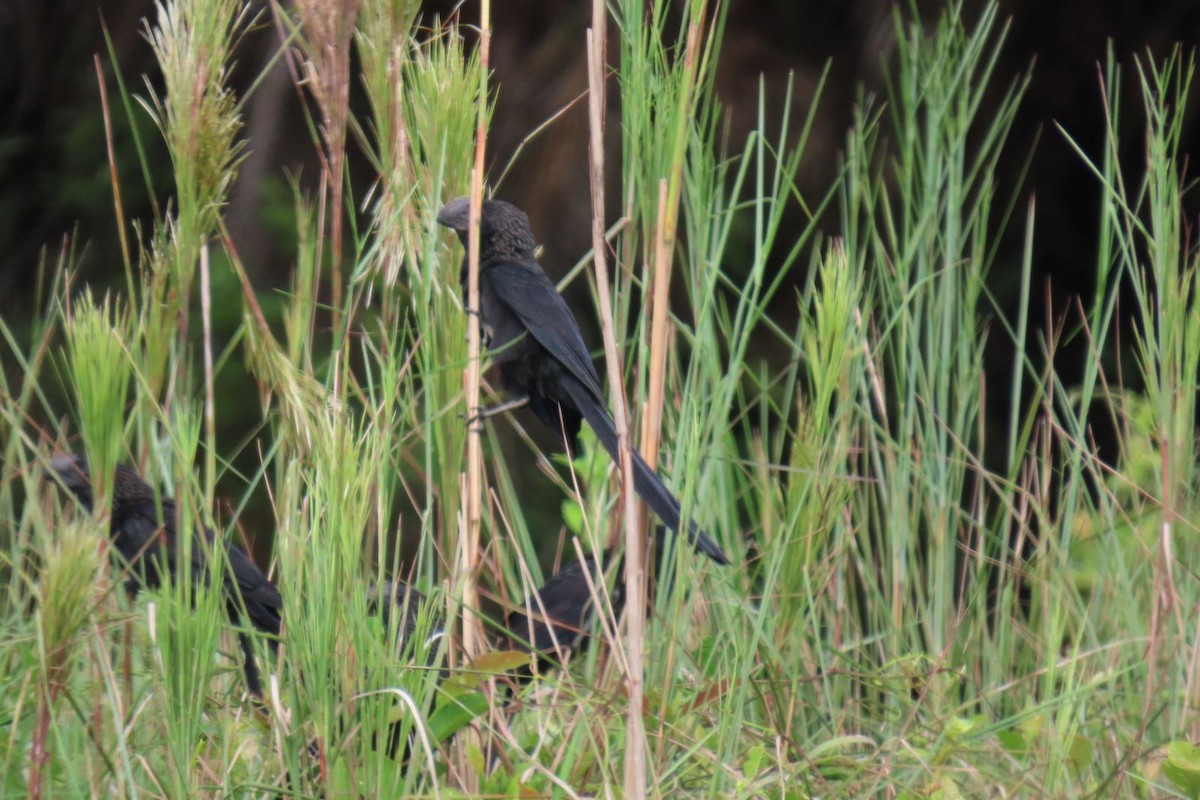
499 326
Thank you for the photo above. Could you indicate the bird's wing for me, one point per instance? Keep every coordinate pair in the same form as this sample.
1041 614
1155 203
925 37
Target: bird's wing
533 298
138 537
262 600
251 580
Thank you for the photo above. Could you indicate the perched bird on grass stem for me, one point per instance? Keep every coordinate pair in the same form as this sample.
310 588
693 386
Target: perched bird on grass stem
537 345
148 543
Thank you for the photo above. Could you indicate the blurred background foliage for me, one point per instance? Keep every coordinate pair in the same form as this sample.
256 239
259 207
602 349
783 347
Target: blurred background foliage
55 188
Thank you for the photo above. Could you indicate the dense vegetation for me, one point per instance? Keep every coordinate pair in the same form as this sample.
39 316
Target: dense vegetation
921 604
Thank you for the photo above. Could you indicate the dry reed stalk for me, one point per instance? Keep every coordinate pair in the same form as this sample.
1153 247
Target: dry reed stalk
635 611
464 589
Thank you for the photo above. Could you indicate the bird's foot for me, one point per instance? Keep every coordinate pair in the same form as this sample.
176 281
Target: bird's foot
475 421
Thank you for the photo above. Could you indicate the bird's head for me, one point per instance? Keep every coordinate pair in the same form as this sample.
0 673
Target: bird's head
504 230
71 470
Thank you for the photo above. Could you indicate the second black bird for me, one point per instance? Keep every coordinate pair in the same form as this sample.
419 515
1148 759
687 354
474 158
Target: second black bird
148 543
537 345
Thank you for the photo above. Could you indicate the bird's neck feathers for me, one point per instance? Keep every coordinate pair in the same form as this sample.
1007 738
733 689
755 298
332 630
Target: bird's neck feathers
508 244
129 490
144 507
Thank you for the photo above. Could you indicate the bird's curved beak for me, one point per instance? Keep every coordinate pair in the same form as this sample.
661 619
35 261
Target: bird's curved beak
63 465
456 214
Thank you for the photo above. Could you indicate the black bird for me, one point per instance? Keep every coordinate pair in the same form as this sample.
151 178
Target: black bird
559 617
537 345
148 544
394 597
563 628
565 623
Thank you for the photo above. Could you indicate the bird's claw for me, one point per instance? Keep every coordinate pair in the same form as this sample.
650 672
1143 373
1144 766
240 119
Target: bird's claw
490 411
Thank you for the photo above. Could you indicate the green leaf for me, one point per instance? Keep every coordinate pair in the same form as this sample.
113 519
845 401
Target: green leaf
475 756
455 715
960 727
1013 742
572 517
1182 767
487 665
1079 754
947 789
757 756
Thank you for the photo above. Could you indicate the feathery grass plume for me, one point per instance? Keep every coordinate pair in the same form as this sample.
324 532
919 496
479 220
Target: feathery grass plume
158 317
65 600
65 597
818 485
385 43
384 36
197 115
301 397
440 107
192 42
424 99
327 29
441 111
288 373
299 316
100 373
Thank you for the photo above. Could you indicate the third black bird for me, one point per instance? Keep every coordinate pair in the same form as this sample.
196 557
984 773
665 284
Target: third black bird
550 367
559 617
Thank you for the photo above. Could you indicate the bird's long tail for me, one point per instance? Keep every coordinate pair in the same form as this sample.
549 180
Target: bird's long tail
264 624
250 666
648 485
244 602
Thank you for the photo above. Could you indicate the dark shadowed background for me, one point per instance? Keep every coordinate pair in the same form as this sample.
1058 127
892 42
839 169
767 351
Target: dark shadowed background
55 184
